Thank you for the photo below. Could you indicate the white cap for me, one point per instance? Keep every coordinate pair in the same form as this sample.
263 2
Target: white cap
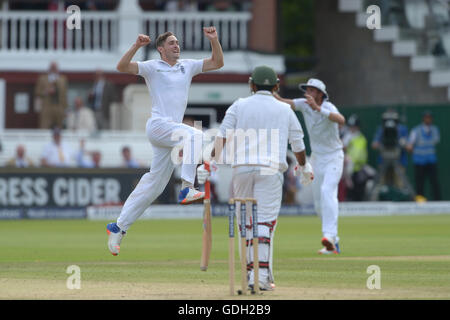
315 83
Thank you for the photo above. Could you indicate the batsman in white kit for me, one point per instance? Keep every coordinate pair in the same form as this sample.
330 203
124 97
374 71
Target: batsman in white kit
255 132
322 121
168 80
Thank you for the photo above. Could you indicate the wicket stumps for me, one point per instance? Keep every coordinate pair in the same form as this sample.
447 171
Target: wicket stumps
240 208
232 209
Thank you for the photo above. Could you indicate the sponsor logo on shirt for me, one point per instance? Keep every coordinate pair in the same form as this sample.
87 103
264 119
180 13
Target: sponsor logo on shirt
181 68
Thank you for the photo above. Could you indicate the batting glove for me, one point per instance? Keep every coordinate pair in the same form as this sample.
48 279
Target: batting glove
305 172
203 174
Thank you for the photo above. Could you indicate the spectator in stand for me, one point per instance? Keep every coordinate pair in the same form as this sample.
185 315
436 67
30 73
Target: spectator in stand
51 98
422 144
245 5
27 4
345 184
172 5
82 159
181 5
92 162
152 5
53 5
128 160
102 94
96 158
81 118
92 5
20 160
57 153
221 6
88 159
356 151
189 5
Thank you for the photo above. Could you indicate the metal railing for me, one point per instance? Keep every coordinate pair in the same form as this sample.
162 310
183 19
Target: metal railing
45 31
188 26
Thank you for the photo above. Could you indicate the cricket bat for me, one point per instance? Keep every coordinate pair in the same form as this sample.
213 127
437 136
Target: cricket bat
207 230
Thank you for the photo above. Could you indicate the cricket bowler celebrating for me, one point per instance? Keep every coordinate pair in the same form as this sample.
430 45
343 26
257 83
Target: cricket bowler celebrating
274 124
327 158
168 80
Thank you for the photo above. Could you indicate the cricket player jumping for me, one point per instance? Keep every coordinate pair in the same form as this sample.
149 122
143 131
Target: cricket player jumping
322 119
168 80
260 177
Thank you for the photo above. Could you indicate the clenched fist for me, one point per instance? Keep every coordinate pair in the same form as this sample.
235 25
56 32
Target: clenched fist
210 32
311 102
142 40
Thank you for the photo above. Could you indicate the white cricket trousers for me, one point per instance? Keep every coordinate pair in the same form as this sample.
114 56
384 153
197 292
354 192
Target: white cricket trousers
327 173
248 182
266 189
164 135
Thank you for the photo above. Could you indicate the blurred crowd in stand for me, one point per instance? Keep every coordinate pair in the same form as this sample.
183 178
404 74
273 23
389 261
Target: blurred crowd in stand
392 141
58 154
360 181
387 180
89 113
146 5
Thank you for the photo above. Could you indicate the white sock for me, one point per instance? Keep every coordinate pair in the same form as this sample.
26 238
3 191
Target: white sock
185 184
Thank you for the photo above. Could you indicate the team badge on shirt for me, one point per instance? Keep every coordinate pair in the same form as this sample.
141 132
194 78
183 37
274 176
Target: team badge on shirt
182 69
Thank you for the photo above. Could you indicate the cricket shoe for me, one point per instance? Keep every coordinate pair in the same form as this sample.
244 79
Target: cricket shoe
325 251
266 286
115 236
338 249
190 195
328 244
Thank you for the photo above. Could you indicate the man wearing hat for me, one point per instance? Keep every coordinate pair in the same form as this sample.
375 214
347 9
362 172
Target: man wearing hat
422 144
322 121
256 131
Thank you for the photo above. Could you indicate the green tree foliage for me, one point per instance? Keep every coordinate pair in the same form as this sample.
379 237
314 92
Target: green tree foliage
297 26
297 32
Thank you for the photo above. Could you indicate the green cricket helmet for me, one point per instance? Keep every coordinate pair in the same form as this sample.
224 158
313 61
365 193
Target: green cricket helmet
264 76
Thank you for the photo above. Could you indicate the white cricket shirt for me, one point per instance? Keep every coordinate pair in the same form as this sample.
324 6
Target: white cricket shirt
323 133
58 155
258 129
169 85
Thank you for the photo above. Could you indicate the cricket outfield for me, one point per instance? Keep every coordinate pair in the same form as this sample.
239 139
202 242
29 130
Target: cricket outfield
160 259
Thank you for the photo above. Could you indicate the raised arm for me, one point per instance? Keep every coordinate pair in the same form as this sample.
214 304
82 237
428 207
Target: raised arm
216 60
332 116
125 64
288 101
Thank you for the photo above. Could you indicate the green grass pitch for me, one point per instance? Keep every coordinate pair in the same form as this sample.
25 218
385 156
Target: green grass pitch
160 259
